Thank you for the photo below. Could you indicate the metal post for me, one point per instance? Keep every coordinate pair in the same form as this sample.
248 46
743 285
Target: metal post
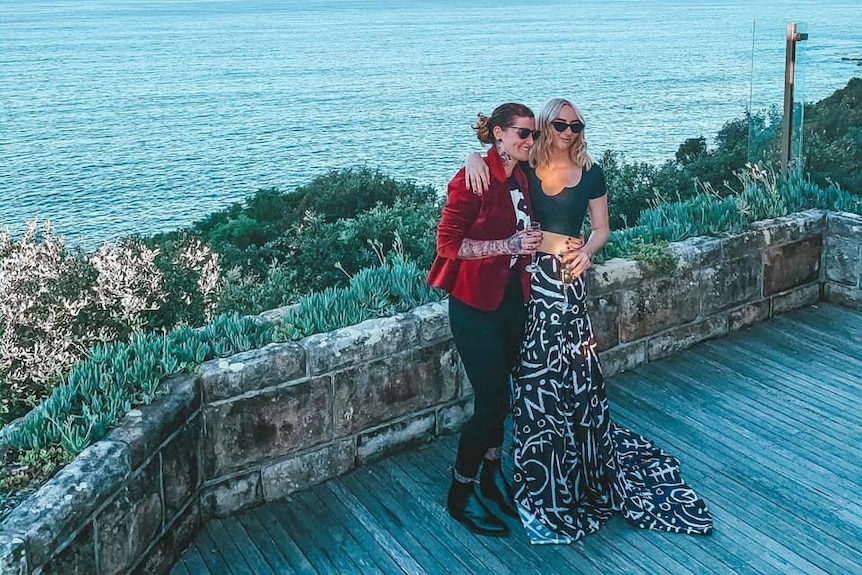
789 75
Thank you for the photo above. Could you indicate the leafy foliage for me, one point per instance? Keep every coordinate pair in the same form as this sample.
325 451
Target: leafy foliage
832 144
274 228
55 303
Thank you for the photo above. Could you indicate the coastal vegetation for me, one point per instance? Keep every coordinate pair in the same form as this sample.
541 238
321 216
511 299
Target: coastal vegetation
85 337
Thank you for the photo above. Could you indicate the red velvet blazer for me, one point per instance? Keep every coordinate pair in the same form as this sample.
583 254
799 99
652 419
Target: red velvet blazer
479 283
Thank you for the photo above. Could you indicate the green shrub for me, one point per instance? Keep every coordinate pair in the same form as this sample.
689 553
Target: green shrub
324 253
256 234
397 285
763 195
99 390
832 139
55 303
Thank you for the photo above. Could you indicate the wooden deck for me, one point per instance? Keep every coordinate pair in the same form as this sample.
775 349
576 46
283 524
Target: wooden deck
767 423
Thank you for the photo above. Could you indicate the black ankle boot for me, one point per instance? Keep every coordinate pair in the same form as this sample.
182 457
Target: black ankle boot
494 487
464 505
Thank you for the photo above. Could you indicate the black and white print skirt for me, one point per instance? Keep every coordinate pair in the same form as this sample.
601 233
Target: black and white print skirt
574 467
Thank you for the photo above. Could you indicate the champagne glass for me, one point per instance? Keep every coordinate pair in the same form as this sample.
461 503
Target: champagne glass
566 280
533 266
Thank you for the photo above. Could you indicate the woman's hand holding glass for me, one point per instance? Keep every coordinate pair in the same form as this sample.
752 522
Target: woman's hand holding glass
576 261
525 242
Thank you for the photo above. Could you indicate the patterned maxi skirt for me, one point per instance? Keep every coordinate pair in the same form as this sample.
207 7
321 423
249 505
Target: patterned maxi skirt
574 466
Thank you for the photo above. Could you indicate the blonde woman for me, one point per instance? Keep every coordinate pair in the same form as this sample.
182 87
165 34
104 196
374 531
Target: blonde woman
573 466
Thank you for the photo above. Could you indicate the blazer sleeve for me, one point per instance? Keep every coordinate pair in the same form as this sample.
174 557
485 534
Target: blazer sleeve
459 215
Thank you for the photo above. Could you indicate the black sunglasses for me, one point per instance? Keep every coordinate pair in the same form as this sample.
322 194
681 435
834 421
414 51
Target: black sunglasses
560 126
524 133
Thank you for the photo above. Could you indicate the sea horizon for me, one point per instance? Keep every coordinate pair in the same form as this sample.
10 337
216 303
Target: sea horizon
147 115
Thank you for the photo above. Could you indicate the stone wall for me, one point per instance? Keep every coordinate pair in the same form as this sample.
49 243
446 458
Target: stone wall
262 424
842 261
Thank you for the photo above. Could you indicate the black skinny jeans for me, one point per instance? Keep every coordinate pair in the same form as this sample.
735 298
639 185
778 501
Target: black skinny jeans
488 344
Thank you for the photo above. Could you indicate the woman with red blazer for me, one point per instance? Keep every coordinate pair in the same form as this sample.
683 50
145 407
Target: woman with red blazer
482 242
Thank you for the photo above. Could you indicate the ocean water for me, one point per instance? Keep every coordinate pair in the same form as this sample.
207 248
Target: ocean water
146 115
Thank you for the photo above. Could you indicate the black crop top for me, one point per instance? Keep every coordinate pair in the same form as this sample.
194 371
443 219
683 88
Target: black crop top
564 213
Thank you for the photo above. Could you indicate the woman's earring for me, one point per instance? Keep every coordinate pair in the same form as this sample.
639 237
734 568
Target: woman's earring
504 155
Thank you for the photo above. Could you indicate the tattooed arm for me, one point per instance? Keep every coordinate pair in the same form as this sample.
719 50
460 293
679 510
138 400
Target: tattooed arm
522 243
459 214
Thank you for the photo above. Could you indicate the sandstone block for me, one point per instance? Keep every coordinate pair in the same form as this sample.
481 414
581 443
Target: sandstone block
798 297
386 389
684 337
181 475
698 252
432 321
144 429
735 246
729 283
604 317
271 365
622 358
13 555
130 522
230 495
843 295
378 443
747 315
792 228
266 425
77 558
367 341
452 417
300 471
175 539
60 507
791 264
658 304
844 225
613 275
843 260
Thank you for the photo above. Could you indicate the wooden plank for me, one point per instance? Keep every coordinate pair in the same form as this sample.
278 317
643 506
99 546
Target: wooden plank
608 553
209 552
765 421
322 530
760 512
319 518
723 429
790 480
328 533
246 545
265 544
229 549
363 537
433 466
291 551
193 561
806 346
429 532
414 536
477 555
736 503
843 345
761 356
756 406
179 568
282 511
772 378
399 554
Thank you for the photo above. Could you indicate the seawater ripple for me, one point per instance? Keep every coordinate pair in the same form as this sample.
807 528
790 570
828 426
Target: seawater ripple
145 115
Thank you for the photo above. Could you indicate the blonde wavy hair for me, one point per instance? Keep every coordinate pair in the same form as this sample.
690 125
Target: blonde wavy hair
541 152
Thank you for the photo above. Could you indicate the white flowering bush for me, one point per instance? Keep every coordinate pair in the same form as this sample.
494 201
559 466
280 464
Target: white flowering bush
56 303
